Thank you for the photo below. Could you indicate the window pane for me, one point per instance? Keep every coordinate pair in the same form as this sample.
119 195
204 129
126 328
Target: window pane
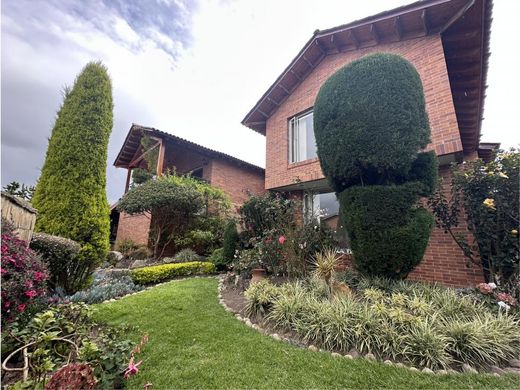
302 142
310 151
328 204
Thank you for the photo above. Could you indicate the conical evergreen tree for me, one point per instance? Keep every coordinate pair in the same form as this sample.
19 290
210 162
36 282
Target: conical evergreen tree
70 195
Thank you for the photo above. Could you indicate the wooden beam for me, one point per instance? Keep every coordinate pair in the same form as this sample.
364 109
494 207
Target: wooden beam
374 33
283 88
397 28
424 19
353 38
128 175
135 161
296 75
256 123
463 53
273 101
308 62
160 158
461 37
320 46
457 15
263 113
335 42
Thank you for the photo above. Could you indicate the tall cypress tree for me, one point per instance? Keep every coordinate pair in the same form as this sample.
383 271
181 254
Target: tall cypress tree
70 195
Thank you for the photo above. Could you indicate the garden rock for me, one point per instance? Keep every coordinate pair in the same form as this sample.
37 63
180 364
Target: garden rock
349 356
138 264
370 356
468 369
514 363
414 369
313 348
117 256
400 365
335 354
388 362
427 370
353 353
512 370
276 336
441 372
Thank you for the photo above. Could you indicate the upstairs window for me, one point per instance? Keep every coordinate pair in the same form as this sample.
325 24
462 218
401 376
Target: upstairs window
302 145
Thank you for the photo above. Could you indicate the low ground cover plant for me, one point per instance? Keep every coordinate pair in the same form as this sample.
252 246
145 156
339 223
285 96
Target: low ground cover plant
425 325
163 272
106 285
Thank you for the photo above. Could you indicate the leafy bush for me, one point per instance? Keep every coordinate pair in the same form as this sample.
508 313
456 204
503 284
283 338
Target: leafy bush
186 255
67 333
106 286
264 215
24 277
383 128
488 194
61 256
159 273
230 242
200 241
425 325
217 258
70 195
125 246
388 235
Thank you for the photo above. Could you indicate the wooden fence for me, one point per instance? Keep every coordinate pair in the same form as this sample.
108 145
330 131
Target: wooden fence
20 213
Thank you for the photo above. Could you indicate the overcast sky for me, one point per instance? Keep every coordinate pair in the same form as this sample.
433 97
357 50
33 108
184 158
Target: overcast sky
193 69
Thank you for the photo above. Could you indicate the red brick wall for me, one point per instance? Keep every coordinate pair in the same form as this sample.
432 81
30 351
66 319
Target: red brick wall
134 227
426 54
444 261
236 181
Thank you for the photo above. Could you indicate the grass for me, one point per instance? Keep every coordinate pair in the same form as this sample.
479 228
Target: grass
194 343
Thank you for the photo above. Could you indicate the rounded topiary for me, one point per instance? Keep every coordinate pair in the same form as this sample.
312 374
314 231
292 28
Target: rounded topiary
230 242
370 121
71 192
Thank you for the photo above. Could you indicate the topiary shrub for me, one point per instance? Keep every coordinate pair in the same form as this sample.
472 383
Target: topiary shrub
160 273
23 274
61 256
230 242
370 123
71 192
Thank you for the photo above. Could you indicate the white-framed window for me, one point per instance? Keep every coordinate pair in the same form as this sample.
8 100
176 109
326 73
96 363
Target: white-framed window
321 206
302 145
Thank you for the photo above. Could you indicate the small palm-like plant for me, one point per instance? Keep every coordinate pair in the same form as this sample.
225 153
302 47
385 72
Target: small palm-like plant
325 263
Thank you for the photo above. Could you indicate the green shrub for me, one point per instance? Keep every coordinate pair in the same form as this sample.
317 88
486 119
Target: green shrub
186 255
217 258
140 253
266 214
201 241
388 236
427 346
260 296
230 242
71 192
370 135
61 256
159 273
125 246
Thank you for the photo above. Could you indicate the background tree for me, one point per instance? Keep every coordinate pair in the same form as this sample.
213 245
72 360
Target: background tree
70 195
370 122
19 190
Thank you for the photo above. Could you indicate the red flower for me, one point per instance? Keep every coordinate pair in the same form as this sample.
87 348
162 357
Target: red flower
21 307
7 304
31 293
38 276
281 240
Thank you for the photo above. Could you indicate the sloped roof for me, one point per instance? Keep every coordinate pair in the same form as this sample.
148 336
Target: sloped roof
464 26
132 144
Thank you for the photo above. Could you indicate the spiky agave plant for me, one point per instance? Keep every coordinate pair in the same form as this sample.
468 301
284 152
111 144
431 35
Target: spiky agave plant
324 267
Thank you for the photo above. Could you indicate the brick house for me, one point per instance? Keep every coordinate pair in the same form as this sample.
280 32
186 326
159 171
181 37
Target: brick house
447 41
235 177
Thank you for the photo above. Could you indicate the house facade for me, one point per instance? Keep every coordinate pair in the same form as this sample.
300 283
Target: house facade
447 42
235 177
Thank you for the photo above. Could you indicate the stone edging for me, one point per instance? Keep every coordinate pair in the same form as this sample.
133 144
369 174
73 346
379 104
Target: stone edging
466 368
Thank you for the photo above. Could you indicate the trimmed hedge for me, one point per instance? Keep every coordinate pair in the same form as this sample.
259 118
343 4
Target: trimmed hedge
159 273
230 242
61 256
388 235
370 120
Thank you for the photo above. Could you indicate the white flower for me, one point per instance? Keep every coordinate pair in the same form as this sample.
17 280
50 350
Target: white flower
503 305
492 285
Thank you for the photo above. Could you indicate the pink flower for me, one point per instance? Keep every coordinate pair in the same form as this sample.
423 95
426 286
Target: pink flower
3 271
7 304
31 293
132 368
485 288
38 276
21 307
507 298
281 240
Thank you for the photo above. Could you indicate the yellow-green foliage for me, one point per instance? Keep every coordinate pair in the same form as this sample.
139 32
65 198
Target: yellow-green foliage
70 195
159 273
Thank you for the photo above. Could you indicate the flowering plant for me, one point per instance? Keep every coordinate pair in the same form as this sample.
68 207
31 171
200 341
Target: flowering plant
23 274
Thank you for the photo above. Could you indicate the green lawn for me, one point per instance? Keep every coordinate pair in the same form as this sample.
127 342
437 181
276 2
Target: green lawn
195 343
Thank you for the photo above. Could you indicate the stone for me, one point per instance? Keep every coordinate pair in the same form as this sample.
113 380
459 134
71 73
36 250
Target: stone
514 363
512 370
370 356
114 256
354 353
468 369
413 369
335 354
388 362
441 372
400 365
496 374
497 370
238 317
249 323
313 348
276 336
452 371
349 356
427 370
138 264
